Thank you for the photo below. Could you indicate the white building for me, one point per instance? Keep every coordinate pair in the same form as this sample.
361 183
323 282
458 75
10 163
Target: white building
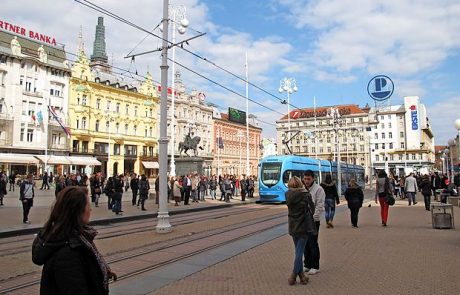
403 141
193 115
317 138
33 76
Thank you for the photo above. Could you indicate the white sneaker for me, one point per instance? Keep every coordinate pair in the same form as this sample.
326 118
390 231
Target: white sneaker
313 271
306 269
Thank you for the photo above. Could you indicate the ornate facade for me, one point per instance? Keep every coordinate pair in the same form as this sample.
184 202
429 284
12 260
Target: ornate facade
33 76
111 118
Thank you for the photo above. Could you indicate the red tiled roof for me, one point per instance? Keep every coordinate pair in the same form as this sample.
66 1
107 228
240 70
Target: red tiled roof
347 109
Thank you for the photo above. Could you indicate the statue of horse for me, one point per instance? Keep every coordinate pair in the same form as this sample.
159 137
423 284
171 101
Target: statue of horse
189 144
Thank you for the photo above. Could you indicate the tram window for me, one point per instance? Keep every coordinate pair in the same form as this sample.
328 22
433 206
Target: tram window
271 173
288 174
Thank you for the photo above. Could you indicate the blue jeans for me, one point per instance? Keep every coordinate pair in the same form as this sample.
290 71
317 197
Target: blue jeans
117 202
411 197
299 244
329 207
213 194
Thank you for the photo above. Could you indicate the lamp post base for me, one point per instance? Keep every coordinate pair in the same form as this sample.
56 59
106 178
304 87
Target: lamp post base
163 225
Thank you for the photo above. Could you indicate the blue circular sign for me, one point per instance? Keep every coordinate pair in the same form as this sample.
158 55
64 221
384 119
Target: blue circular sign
380 88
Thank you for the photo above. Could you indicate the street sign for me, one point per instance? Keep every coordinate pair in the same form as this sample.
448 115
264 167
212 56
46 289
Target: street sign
380 88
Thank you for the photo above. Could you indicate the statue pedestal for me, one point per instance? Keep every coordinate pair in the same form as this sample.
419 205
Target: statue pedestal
187 165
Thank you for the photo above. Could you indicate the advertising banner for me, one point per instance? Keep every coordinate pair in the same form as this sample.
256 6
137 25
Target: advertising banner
413 128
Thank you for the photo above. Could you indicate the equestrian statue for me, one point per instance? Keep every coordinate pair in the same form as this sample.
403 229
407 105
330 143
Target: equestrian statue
189 143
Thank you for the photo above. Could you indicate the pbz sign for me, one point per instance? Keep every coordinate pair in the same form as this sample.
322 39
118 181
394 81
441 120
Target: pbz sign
414 117
380 88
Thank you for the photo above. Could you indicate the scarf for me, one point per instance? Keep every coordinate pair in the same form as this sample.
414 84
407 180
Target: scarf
86 237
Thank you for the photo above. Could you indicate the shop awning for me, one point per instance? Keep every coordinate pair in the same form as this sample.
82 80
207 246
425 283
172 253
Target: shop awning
151 165
18 159
54 160
84 161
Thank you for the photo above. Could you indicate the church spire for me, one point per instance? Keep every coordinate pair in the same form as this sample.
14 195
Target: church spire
81 44
99 56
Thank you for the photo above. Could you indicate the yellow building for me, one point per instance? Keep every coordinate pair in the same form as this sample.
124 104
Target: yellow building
110 118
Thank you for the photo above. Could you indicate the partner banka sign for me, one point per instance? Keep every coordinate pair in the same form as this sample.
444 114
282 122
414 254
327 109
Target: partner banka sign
27 33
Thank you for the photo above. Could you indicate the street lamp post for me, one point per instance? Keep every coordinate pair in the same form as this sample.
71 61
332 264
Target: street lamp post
457 126
109 119
163 225
334 115
451 149
288 85
177 14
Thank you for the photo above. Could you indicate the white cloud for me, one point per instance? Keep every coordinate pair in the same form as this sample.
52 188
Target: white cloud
400 37
442 115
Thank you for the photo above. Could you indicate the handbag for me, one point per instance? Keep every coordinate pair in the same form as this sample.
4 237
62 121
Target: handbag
390 200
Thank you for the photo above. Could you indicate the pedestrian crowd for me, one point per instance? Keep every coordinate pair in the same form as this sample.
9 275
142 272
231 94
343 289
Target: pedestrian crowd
306 202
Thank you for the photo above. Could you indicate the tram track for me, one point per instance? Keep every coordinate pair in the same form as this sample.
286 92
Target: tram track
264 223
112 231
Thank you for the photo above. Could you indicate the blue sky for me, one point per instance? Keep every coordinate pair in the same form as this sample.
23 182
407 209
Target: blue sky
331 47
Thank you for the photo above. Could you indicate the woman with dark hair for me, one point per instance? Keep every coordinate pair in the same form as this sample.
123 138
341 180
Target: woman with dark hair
355 197
382 190
332 197
65 247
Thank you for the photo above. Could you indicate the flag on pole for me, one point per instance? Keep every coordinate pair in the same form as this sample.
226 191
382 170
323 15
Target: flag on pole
59 120
40 117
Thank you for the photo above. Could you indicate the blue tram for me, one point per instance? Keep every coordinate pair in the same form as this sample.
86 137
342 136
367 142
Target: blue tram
275 172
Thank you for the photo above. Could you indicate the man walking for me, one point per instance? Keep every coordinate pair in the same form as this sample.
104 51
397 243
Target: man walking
26 196
318 195
435 183
12 179
45 184
134 188
187 188
411 188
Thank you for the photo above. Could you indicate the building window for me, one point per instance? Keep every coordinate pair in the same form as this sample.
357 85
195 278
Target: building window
389 117
401 134
83 123
389 125
97 126
55 138
135 111
98 103
117 108
413 157
144 151
127 109
376 146
400 157
361 148
383 146
135 130
305 149
313 149
390 145
390 135
116 149
84 146
151 132
376 135
31 111
382 125
28 85
30 135
22 134
83 101
130 150
382 117
108 105
145 133
402 145
329 149
377 157
383 135
151 151
117 128
126 129
321 150
107 126
407 156
391 158
151 113
78 124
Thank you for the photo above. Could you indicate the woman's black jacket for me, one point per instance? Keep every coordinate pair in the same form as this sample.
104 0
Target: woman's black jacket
300 218
354 197
68 268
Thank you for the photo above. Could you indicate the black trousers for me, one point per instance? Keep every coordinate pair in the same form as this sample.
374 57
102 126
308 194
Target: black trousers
311 252
427 200
134 200
26 205
243 195
187 196
354 216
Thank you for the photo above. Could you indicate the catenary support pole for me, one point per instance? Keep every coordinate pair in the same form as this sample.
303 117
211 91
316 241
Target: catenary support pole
163 225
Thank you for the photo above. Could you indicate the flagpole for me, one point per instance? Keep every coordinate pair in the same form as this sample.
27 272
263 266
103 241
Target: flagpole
247 116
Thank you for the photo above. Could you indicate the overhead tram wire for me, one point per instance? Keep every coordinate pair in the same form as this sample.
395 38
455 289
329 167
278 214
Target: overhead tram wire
223 86
144 77
93 6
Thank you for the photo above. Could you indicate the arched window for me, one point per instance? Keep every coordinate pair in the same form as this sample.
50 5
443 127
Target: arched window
126 129
107 126
97 126
83 123
117 128
117 107
151 132
135 130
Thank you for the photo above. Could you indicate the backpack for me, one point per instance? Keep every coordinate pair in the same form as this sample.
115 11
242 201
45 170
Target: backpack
143 186
228 185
